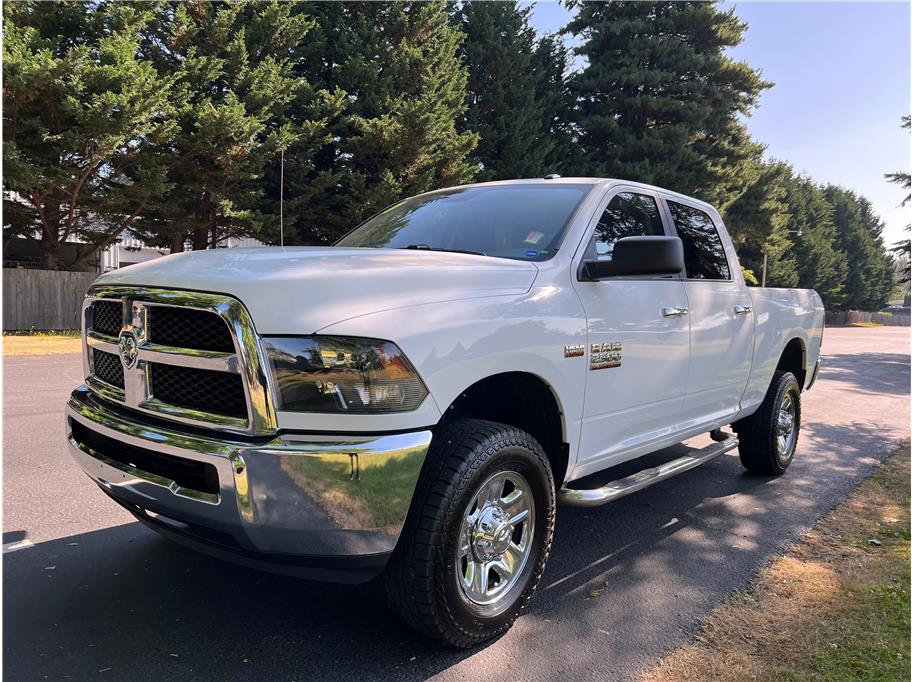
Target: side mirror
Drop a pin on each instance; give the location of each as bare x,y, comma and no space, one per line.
638,256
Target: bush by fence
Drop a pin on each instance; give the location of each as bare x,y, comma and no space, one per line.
856,316
43,299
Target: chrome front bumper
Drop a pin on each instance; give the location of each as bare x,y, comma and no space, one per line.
289,502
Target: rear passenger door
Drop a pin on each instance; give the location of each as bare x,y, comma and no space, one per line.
721,320
637,353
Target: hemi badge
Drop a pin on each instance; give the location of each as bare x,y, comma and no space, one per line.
574,351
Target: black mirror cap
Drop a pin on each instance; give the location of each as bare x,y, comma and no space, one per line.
638,256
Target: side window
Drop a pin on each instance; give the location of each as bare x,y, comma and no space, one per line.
704,255
627,215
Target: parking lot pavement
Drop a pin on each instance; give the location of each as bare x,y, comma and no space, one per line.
97,596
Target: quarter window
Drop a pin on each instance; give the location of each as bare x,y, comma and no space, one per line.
627,215
704,255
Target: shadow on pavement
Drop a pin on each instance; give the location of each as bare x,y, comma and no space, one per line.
125,602
873,373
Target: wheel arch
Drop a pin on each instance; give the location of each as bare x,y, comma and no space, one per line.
523,400
793,358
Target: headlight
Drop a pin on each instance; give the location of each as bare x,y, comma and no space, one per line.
342,374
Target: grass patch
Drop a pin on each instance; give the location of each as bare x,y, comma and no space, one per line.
836,607
42,343
866,324
379,498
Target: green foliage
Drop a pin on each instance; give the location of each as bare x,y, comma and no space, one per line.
85,124
395,86
820,263
516,92
233,69
659,99
869,276
169,119
758,222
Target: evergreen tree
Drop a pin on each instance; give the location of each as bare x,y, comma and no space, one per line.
556,100
232,65
84,118
758,223
869,276
514,90
395,135
659,99
821,265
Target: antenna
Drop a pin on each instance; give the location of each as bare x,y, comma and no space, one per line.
282,201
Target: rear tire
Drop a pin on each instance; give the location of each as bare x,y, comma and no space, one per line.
463,569
768,438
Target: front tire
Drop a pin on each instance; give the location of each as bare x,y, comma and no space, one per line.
478,534
768,438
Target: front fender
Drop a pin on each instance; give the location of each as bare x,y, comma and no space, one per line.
453,345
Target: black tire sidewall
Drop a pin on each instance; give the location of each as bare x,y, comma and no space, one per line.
788,384
471,618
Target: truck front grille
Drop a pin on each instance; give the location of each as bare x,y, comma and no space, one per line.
107,317
177,355
199,389
193,329
108,367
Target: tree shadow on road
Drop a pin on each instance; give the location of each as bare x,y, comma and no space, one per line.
874,373
623,582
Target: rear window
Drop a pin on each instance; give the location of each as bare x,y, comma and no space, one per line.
704,255
523,222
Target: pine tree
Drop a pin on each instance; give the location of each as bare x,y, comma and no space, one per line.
514,90
556,100
821,265
757,221
84,118
659,99
395,135
869,276
233,69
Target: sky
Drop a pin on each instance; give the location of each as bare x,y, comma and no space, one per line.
841,73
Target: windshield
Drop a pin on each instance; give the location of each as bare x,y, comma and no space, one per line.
524,222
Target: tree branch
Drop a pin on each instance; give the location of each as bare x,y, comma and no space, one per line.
109,239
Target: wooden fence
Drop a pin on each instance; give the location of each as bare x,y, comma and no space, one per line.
854,316
43,299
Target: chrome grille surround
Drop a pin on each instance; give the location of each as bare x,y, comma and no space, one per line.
246,360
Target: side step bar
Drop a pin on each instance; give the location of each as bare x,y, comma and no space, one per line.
645,478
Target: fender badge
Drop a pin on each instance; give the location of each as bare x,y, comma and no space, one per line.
575,351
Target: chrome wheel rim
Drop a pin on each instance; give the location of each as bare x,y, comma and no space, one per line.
786,427
495,539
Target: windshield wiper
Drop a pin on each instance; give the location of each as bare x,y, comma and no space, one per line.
426,247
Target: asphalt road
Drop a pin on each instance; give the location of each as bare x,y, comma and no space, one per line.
100,597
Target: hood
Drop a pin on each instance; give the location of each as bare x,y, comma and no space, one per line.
300,290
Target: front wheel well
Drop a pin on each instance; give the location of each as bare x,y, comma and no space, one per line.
793,359
521,400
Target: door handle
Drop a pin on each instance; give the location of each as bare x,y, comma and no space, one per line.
673,311
743,310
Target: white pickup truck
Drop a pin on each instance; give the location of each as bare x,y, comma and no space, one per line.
412,402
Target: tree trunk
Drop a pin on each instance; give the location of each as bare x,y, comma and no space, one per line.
49,251
200,238
201,234
177,243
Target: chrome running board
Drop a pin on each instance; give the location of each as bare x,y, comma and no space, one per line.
645,478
